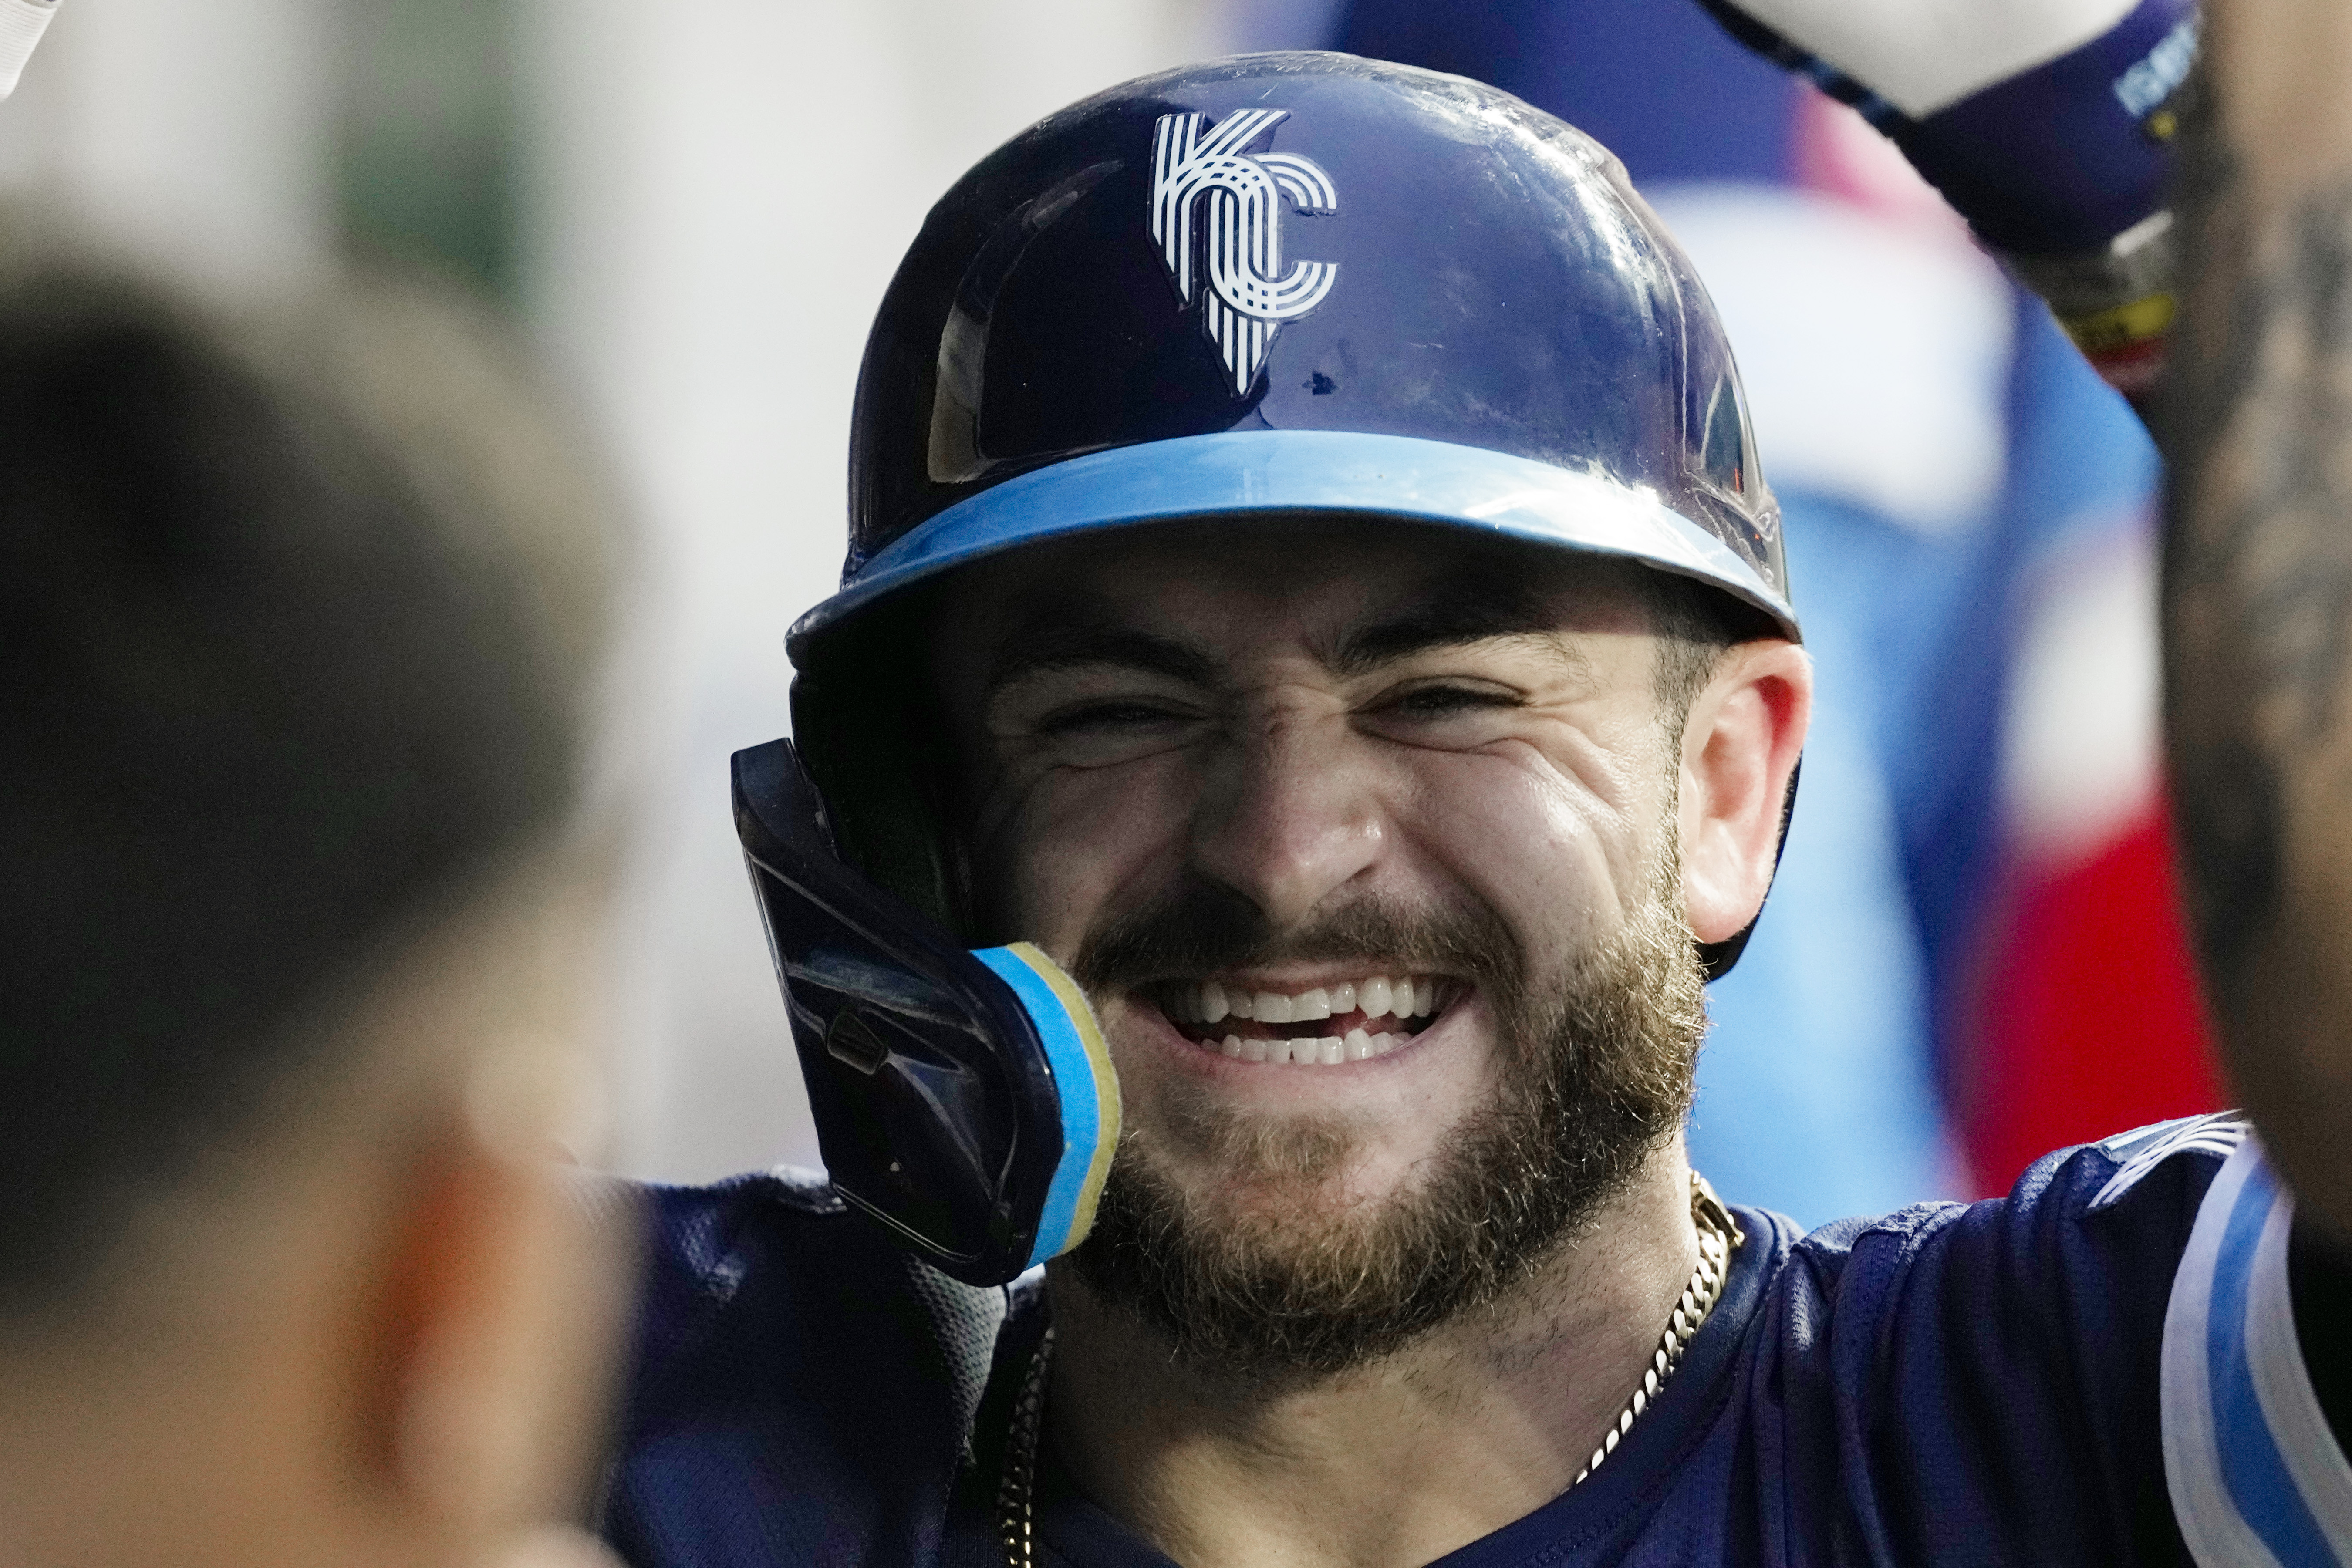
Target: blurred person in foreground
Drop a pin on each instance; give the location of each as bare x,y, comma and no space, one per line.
298,619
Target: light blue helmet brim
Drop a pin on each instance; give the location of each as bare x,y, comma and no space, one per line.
1474,487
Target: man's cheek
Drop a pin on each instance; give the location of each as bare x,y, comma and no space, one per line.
1555,859
1087,844
1128,1028
1175,1120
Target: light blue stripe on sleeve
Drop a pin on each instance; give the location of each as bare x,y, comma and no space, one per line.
2256,1476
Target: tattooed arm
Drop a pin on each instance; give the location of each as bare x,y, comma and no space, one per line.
2257,424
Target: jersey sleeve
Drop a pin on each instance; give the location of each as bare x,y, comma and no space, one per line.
2254,1473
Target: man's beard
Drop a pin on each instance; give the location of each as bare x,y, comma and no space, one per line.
1595,1074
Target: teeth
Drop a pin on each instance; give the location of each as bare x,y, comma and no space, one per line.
1415,998
1211,1002
1329,1050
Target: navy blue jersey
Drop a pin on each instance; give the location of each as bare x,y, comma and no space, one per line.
2102,1367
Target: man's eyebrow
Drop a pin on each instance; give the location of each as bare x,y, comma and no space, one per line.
1038,646
1452,621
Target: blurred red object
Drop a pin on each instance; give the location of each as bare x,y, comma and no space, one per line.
2086,1020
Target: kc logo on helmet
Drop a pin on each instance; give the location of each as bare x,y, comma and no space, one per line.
1196,169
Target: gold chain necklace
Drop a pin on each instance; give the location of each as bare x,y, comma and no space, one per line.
1720,1237
1015,1487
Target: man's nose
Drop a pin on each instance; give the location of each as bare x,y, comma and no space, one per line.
1293,817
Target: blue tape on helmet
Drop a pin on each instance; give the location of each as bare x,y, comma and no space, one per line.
1087,1085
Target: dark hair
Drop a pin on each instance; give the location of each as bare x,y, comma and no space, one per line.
279,670
1696,624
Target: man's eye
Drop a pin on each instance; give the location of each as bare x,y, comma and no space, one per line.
1445,701
1105,718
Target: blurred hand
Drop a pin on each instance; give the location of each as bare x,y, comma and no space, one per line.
555,1546
2049,127
22,23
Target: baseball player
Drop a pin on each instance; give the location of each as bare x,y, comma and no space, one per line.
1314,694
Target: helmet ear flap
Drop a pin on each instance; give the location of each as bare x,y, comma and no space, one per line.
965,1102
882,759
1716,958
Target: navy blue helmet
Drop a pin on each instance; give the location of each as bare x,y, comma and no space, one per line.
1300,282
1285,283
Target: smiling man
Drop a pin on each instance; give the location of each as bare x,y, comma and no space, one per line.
1313,696
1395,807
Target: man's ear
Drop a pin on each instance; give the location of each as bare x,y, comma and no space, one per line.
502,1299
1740,747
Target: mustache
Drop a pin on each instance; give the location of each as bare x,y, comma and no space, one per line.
1202,928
